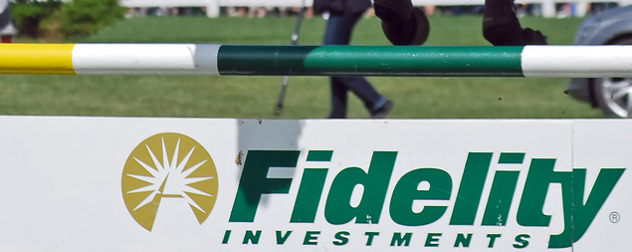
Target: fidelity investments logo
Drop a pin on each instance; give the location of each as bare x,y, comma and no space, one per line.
168,165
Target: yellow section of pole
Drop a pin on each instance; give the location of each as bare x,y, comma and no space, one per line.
36,59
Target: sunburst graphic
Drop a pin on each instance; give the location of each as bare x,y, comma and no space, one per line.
168,165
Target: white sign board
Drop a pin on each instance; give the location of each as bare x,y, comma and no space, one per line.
160,184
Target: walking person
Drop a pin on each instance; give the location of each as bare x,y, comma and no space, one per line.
404,24
7,30
343,16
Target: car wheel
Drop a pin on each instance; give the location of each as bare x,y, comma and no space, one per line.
614,95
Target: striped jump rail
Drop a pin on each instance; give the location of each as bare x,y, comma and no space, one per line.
268,60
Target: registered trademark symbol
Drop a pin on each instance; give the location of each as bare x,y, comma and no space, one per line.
615,217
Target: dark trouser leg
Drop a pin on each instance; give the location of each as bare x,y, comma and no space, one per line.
359,86
338,32
338,98
502,28
401,22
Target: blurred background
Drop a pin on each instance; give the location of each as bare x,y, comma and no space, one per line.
113,21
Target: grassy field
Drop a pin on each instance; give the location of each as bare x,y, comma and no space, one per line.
307,97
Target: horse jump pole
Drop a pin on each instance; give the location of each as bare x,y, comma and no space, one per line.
269,60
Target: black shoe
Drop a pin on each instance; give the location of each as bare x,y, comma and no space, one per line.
383,111
499,12
532,37
502,28
402,23
390,10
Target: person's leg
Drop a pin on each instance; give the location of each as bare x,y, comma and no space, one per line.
338,98
402,23
338,32
502,28
364,90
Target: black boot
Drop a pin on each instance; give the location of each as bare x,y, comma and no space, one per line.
502,28
402,23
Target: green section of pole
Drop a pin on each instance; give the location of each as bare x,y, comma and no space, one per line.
263,60
370,60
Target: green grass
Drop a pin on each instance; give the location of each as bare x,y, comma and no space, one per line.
307,97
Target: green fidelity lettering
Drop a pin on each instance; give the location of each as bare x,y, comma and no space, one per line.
311,238
500,198
311,188
251,237
338,209
584,213
471,189
406,192
541,175
462,240
226,237
398,240
433,240
577,214
492,239
341,238
422,196
255,172
521,241
309,195
370,235
281,238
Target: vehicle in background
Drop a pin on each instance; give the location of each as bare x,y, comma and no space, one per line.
612,95
7,30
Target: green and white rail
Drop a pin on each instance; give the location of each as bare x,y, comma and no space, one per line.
213,59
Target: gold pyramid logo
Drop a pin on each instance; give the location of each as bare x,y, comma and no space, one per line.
168,165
